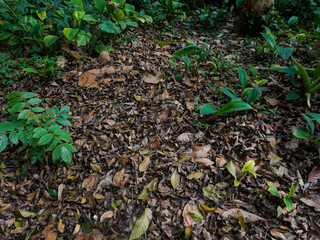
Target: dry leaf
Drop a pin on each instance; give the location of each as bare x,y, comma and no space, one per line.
106,215
61,226
185,137
76,55
89,182
60,190
221,161
109,122
314,176
96,167
76,229
144,164
95,72
165,95
203,162
104,57
195,175
120,79
87,80
127,69
79,143
108,70
118,178
248,217
104,142
175,179
188,221
50,232
201,151
150,79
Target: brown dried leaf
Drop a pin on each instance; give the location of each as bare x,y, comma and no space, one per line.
106,215
104,142
203,162
248,217
127,69
165,95
221,161
188,221
76,55
104,57
87,80
79,143
109,122
201,151
76,229
144,164
96,167
185,137
314,176
118,178
89,182
50,232
108,70
150,79
60,190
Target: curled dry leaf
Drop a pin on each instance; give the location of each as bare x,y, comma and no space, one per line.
106,215
88,80
96,167
188,221
76,229
221,161
104,142
127,69
79,143
118,178
185,137
248,217
109,122
165,95
150,79
108,70
314,176
144,164
60,190
104,57
201,151
89,182
203,162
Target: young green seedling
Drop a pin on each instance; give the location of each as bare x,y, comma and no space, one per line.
247,167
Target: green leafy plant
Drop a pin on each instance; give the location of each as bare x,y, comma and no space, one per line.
247,167
308,134
286,200
46,71
38,129
274,48
251,93
192,54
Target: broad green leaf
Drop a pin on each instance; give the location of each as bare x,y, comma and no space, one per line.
52,145
292,96
66,138
284,52
30,70
187,62
302,132
207,109
269,39
70,33
39,132
45,139
42,15
54,128
249,165
56,154
63,121
292,191
227,91
288,203
37,109
236,183
253,173
273,189
34,101
203,56
61,132
254,94
27,214
78,15
109,27
116,204
303,73
3,142
5,35
65,115
12,95
83,38
232,169
78,5
243,77
175,179
316,116
188,51
89,18
130,22
233,106
13,137
49,40
27,95
196,215
119,15
310,122
23,136
14,101
142,224
293,20
66,155
100,5
64,109
18,107
69,147
86,226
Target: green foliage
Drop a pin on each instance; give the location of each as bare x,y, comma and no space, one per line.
43,24
286,200
46,71
247,167
38,129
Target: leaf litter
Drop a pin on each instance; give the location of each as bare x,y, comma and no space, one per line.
143,165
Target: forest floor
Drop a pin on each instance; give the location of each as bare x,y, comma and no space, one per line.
139,135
